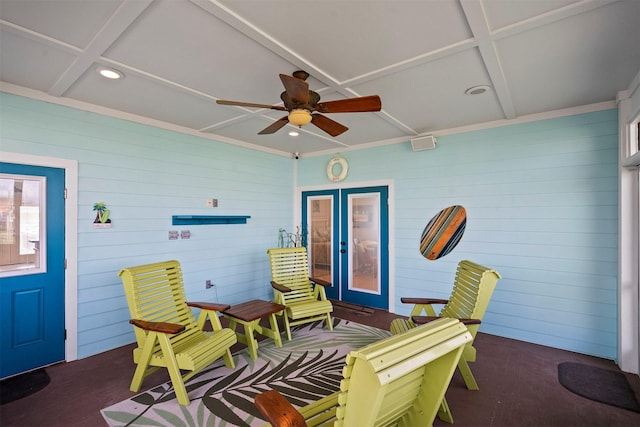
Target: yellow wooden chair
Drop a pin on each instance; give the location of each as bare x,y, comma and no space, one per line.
398,381
472,289
305,298
166,330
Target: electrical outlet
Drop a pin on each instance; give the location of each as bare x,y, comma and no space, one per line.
208,284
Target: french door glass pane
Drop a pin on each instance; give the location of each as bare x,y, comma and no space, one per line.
364,218
320,235
21,224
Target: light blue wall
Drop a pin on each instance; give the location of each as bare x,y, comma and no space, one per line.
145,175
541,200
542,203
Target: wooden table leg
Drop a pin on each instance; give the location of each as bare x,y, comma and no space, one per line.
274,332
249,336
251,327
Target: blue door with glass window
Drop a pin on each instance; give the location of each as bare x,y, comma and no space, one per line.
347,236
32,287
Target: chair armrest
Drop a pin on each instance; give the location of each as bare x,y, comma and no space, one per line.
410,300
277,410
320,282
470,321
279,287
421,320
209,306
163,327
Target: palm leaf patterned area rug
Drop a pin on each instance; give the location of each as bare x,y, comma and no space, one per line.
304,369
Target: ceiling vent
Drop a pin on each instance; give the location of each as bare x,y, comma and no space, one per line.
423,143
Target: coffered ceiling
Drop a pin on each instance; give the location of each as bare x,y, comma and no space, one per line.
179,56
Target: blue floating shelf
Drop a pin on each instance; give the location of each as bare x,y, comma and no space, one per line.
208,219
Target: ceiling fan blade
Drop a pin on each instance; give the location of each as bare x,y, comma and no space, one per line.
298,90
331,127
250,104
353,105
275,126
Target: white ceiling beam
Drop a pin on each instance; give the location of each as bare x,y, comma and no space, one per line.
38,37
550,17
479,26
225,14
123,17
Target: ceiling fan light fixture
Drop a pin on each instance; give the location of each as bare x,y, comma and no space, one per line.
110,73
299,117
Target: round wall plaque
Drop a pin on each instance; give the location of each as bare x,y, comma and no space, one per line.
337,169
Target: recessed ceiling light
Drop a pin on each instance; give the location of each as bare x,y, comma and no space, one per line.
477,90
293,133
110,73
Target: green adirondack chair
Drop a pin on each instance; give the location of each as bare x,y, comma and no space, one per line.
472,290
397,381
305,298
166,329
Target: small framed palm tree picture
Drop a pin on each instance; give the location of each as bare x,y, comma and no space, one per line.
102,219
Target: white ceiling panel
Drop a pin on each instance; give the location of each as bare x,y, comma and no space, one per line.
180,56
501,13
432,96
147,98
349,38
30,63
213,52
71,21
571,62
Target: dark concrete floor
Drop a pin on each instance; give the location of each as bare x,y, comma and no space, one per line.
518,387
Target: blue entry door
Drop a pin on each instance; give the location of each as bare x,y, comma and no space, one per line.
347,236
32,259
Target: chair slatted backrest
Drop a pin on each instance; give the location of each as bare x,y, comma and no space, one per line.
290,268
403,377
472,290
155,293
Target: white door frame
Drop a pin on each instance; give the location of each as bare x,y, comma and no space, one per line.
629,231
389,183
70,239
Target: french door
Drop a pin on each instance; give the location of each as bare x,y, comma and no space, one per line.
347,235
32,256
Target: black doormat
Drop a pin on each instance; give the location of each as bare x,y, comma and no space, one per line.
601,385
23,385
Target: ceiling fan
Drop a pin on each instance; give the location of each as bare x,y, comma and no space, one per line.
304,106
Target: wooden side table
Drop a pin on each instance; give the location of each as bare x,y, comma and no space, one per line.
249,314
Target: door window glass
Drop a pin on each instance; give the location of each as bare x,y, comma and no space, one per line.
22,225
364,214
319,237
